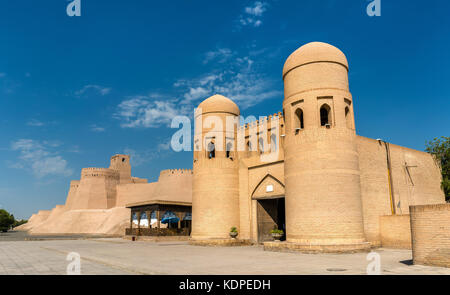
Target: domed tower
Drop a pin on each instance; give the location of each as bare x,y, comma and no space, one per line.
323,194
215,190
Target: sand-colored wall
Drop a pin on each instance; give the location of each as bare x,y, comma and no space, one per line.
97,189
430,231
420,186
395,231
52,219
134,192
92,221
121,164
37,219
174,185
71,195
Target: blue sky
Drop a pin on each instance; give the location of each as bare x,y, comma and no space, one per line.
76,90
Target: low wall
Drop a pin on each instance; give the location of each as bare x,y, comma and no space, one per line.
430,231
395,231
157,231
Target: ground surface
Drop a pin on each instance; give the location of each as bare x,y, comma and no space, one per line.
117,256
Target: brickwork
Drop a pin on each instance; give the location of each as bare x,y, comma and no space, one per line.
395,231
430,232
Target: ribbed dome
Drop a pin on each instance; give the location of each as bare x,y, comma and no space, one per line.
219,104
314,52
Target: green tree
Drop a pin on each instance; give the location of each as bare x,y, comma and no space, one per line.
440,149
19,222
6,220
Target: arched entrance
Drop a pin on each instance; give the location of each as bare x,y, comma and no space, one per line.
270,207
270,215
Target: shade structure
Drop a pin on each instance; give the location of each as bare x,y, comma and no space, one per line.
169,217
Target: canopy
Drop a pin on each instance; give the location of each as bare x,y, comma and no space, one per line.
169,217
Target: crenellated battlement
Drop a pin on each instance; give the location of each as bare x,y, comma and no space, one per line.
170,172
264,122
99,172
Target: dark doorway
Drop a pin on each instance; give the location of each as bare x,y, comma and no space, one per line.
270,215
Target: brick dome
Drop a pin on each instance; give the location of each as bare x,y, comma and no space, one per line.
219,104
314,52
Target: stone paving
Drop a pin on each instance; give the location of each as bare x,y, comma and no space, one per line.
118,256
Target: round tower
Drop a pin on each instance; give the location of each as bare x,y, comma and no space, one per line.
215,191
323,194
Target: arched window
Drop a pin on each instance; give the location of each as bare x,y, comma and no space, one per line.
299,123
325,115
348,117
211,150
261,145
249,148
229,149
273,143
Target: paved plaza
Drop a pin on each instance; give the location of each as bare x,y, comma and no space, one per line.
112,256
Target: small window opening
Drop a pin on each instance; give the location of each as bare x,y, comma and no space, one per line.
299,120
325,115
348,118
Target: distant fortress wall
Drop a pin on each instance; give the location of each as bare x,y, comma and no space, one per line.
71,195
96,204
97,189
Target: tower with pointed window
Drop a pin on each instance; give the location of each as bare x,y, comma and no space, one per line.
215,191
323,194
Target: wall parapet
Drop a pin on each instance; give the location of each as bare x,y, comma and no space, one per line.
430,208
170,172
259,123
99,172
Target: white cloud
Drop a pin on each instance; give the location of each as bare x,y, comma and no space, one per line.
253,14
220,55
145,111
138,158
196,93
35,123
164,146
96,128
37,157
239,80
97,88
